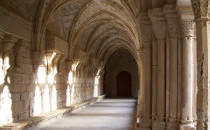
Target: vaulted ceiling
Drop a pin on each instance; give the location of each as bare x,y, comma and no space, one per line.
98,27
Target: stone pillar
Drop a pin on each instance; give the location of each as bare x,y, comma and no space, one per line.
173,29
145,71
20,47
159,28
203,78
154,79
187,25
8,44
201,13
145,91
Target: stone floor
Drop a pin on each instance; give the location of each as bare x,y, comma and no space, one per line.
109,114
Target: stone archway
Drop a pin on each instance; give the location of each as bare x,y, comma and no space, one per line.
124,84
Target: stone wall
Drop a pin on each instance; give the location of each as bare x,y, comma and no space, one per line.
29,89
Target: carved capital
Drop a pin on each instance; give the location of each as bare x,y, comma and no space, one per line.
187,26
200,8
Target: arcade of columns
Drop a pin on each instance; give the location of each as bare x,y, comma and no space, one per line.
174,82
172,58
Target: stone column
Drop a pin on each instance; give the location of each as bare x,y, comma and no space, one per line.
201,13
159,28
8,44
173,29
145,70
20,47
154,79
145,91
203,72
187,25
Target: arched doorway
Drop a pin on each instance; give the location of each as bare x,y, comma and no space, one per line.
124,84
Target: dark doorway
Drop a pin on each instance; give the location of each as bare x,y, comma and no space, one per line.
124,84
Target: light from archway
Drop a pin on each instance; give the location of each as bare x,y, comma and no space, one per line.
50,78
46,99
54,98
70,78
37,102
96,86
5,106
5,95
72,94
41,75
68,96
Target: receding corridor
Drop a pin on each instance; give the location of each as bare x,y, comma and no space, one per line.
149,59
109,114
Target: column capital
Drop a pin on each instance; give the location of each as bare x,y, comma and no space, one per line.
8,43
158,21
200,8
201,22
145,28
171,20
187,25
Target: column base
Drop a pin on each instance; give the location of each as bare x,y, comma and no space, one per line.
158,125
190,126
145,124
172,124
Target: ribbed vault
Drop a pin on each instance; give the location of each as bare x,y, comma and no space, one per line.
96,27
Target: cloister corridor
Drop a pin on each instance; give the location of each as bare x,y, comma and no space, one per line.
105,64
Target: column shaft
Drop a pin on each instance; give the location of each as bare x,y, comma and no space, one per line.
203,80
161,80
173,78
187,74
145,91
187,78
154,79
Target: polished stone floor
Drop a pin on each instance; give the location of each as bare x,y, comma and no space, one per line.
109,114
